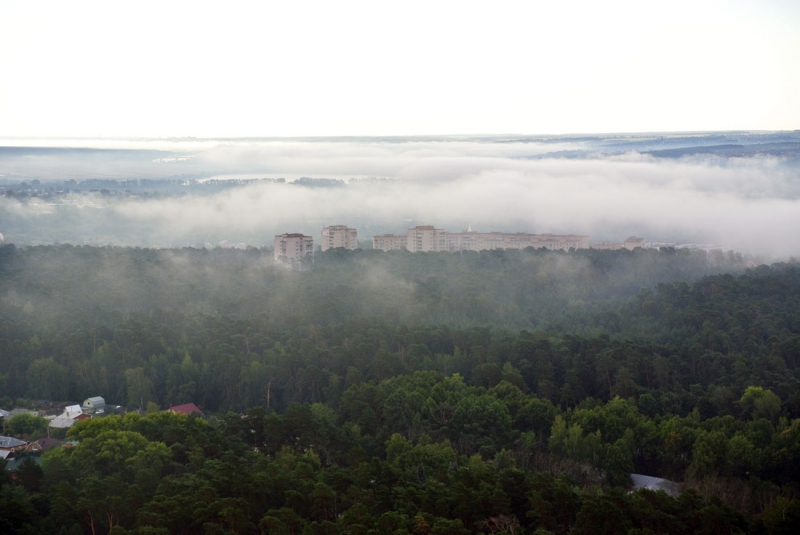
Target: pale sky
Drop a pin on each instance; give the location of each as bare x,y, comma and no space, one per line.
303,68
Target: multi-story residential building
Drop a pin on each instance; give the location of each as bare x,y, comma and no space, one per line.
291,248
426,238
633,242
339,236
389,242
483,241
607,245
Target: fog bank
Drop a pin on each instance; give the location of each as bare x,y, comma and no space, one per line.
751,203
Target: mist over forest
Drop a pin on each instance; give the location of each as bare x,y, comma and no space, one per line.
400,268
368,392
738,190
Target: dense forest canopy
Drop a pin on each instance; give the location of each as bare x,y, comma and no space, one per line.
56,285
391,393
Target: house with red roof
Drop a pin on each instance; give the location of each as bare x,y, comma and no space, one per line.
186,409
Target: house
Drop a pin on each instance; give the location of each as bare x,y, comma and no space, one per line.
4,414
18,411
12,444
62,422
186,409
33,447
655,483
47,443
71,414
94,405
14,464
71,411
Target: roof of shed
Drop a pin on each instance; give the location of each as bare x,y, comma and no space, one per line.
641,481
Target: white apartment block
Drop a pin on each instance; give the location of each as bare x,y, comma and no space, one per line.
631,243
607,246
485,241
389,242
339,236
291,248
426,238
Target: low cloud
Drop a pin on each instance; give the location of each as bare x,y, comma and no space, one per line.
750,204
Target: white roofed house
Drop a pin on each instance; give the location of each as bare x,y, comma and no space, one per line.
67,418
95,405
62,422
72,411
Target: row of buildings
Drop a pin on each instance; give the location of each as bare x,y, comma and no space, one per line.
427,238
65,415
290,249
293,247
13,450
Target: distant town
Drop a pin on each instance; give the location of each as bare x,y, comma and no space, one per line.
291,248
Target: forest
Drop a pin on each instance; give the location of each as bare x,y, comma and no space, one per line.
501,392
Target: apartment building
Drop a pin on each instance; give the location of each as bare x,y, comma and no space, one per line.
339,236
485,241
426,238
289,249
607,246
389,242
631,243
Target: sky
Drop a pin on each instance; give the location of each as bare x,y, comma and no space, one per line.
362,68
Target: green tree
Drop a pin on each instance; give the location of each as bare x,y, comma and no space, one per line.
48,380
28,424
761,403
140,388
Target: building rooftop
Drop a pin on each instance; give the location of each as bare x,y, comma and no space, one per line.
47,443
187,409
11,442
62,422
13,464
19,411
72,411
292,235
655,483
